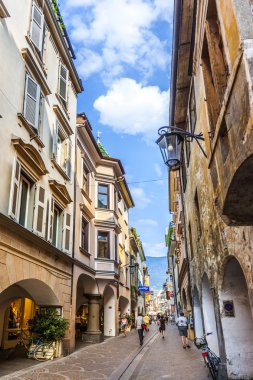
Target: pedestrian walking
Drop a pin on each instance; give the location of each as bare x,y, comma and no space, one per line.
162,323
182,324
147,321
124,324
172,319
138,325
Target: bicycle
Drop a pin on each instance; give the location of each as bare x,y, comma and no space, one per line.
211,360
36,349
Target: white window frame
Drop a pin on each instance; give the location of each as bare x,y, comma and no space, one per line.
23,179
64,80
39,46
37,101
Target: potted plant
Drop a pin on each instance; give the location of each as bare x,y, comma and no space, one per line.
50,327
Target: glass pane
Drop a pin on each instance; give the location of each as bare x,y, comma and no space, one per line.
55,225
102,201
23,203
103,189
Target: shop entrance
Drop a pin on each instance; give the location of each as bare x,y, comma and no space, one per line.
237,322
19,303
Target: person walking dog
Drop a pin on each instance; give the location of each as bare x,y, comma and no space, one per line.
138,325
182,324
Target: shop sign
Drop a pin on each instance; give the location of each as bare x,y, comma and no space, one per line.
228,307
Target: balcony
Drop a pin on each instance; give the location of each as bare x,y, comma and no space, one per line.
106,267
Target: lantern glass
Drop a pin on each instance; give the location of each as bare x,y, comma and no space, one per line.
170,145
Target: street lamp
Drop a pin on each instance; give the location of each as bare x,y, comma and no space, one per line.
171,141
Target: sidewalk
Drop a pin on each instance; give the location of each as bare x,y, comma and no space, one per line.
98,361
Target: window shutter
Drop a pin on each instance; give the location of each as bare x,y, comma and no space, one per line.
50,220
37,26
40,211
13,207
32,101
67,233
63,82
55,138
68,158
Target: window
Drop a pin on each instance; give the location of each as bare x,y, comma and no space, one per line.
27,200
33,102
37,27
119,203
196,201
63,83
116,248
62,149
192,109
103,245
59,226
85,179
214,65
191,244
85,235
103,196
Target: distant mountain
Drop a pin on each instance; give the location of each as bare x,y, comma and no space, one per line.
157,267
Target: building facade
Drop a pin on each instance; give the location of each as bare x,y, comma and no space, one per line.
39,86
211,93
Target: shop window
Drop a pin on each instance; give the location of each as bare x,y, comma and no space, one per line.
16,320
103,241
85,235
103,196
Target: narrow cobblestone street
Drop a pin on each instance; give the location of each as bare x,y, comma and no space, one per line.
123,358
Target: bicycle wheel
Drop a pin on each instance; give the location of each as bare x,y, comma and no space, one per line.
44,351
210,366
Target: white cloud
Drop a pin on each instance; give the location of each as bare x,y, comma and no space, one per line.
155,250
122,31
147,222
88,62
141,200
128,107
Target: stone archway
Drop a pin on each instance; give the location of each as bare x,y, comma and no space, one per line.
184,300
209,314
238,327
28,293
88,316
109,312
124,306
198,320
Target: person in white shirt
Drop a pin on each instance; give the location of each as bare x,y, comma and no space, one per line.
138,325
182,324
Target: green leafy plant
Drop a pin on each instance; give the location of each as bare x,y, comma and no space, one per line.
49,326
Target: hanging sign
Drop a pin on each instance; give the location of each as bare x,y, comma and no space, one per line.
143,288
228,307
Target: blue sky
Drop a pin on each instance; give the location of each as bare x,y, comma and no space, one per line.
123,50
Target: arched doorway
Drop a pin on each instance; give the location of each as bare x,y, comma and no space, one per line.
86,287
109,312
19,303
237,322
124,308
184,300
209,315
198,321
